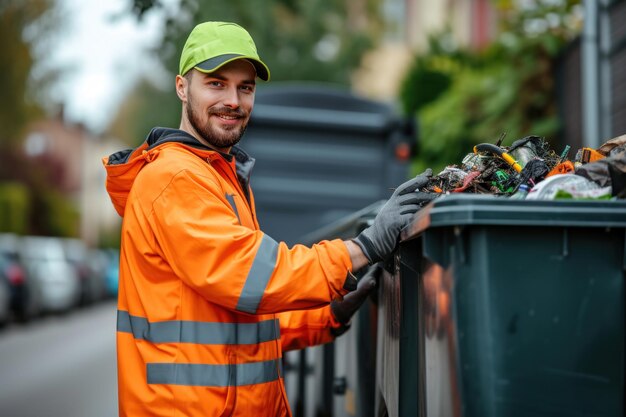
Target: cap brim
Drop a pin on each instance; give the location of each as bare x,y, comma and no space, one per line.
212,64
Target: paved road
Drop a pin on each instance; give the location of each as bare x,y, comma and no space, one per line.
60,365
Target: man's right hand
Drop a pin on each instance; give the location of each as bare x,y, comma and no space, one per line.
379,240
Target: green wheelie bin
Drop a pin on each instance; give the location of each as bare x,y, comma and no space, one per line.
510,308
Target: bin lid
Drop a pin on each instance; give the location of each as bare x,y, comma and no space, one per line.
323,107
473,209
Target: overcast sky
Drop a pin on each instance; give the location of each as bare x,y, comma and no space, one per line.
103,49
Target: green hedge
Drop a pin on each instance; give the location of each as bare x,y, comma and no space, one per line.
463,97
14,207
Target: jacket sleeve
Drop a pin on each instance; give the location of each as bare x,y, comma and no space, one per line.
304,328
200,238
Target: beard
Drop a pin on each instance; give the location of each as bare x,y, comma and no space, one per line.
219,138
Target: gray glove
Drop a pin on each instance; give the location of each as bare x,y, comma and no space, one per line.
379,240
344,309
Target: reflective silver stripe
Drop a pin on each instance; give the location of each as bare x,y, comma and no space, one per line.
193,374
206,333
259,275
231,200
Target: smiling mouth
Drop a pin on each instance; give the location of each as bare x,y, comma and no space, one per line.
228,116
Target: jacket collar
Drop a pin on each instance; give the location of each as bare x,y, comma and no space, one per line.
161,135
123,166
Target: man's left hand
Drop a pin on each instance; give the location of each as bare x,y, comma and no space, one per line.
343,310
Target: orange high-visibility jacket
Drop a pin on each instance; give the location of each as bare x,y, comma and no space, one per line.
207,301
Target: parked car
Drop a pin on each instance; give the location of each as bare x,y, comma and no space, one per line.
5,295
12,289
44,259
24,293
80,257
98,263
111,276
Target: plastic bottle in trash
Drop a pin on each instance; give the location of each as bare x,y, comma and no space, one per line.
521,193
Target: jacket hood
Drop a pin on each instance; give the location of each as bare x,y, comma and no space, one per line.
123,166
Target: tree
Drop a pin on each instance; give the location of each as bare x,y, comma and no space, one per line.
507,88
29,199
299,39
18,106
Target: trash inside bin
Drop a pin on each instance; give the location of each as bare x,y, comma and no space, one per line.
520,307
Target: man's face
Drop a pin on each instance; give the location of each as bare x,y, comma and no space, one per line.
218,104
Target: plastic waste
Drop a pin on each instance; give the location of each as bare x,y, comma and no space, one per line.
610,171
562,168
613,146
548,188
454,176
472,161
567,193
501,181
534,171
522,192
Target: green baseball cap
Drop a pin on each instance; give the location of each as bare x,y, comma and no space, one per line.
213,44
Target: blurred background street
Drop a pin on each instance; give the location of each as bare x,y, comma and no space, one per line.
62,365
363,94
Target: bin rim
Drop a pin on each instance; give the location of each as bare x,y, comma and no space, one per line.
468,210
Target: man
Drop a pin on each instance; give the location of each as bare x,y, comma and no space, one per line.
208,302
